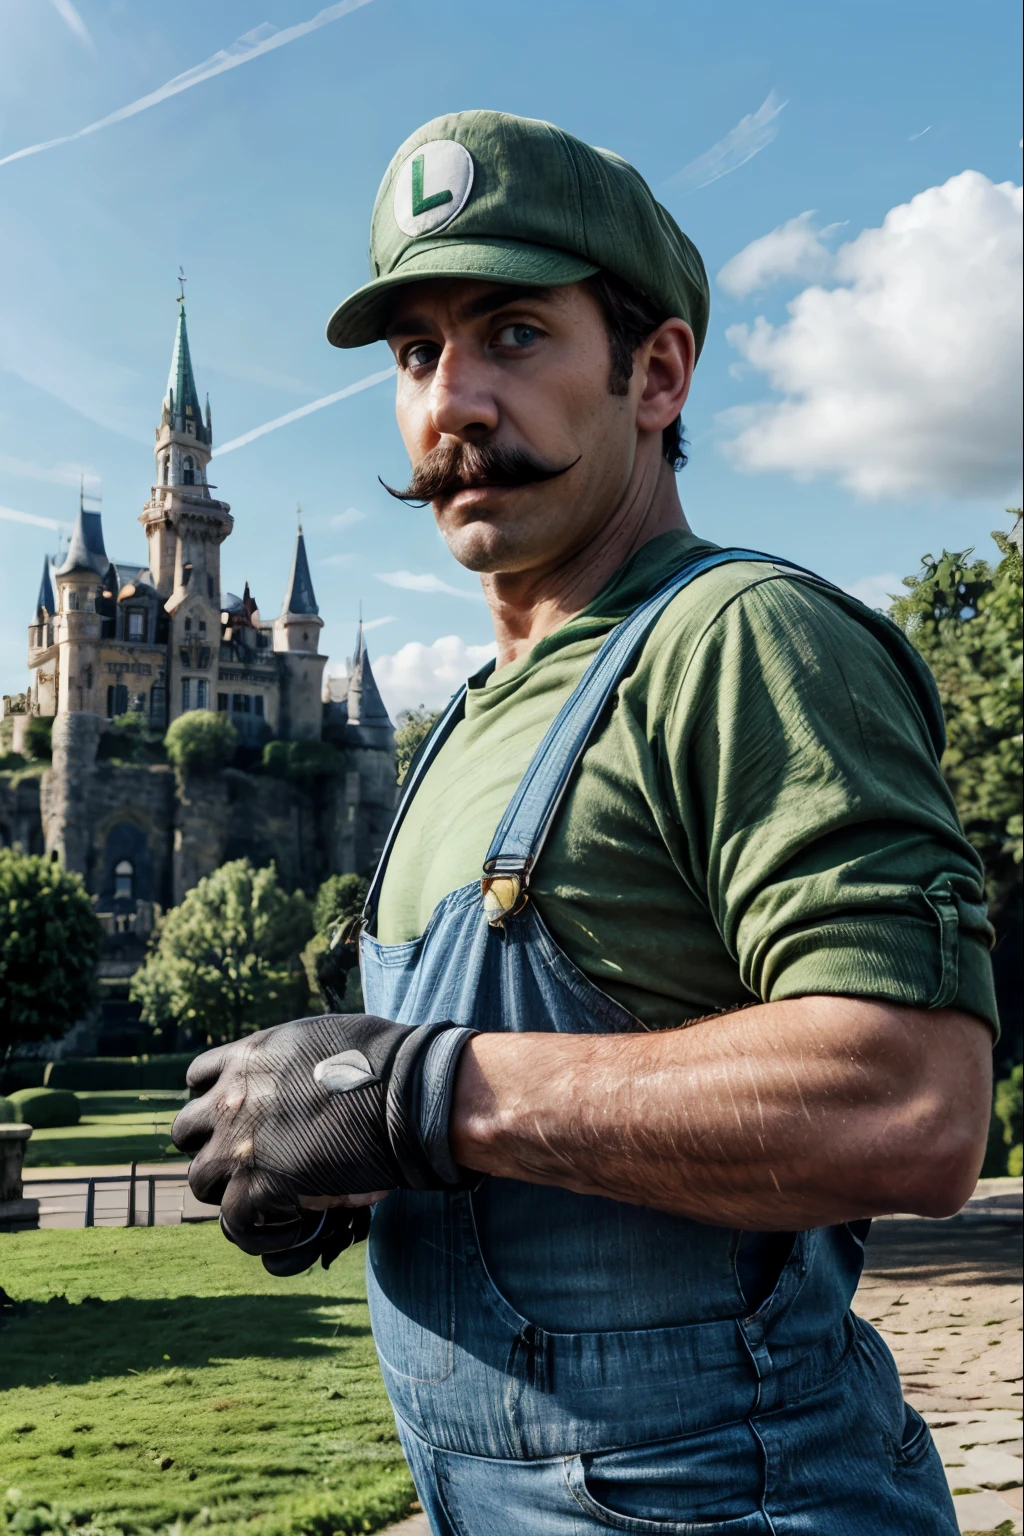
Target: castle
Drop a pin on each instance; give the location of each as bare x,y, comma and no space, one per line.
110,637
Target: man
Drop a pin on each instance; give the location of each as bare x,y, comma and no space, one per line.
610,1284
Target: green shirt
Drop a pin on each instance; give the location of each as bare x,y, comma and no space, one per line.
763,816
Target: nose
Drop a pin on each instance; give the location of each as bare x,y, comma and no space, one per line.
462,403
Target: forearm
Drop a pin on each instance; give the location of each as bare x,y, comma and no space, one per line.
783,1116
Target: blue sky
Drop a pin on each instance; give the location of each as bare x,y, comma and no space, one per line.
851,432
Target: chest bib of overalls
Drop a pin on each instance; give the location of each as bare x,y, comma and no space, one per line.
519,1323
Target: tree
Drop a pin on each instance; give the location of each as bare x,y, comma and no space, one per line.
301,762
200,741
226,961
414,725
49,941
965,619
329,961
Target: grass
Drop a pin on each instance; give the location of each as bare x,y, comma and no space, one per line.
119,1127
159,1377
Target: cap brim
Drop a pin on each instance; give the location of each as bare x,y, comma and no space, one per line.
363,316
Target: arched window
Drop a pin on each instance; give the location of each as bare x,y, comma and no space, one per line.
72,600
188,471
166,467
124,880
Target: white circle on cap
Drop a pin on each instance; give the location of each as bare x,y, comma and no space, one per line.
432,187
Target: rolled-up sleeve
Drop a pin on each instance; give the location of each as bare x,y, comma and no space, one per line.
804,749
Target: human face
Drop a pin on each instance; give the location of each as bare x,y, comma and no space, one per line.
526,370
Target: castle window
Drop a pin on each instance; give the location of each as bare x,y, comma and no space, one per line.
188,625
222,701
136,625
117,700
166,471
124,881
209,587
241,703
188,471
186,695
257,704
202,693
72,601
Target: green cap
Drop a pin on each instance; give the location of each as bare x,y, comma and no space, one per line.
513,200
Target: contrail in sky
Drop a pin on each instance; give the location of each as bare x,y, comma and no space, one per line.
750,135
251,45
304,410
10,515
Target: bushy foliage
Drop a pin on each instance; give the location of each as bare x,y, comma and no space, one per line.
301,761
965,619
49,941
1009,1108
128,739
7,1114
331,967
38,738
339,897
226,961
411,730
45,1108
200,741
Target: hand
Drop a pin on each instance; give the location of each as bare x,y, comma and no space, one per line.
325,1107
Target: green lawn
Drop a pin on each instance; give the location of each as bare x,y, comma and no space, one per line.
159,1377
119,1127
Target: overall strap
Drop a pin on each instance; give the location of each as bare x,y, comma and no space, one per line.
432,745
523,828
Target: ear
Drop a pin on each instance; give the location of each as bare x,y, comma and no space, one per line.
663,366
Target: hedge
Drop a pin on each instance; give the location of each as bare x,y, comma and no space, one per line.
43,1108
8,1114
107,1074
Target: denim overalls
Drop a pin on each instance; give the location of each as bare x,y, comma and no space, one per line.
562,1363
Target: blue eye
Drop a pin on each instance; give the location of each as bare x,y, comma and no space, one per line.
518,335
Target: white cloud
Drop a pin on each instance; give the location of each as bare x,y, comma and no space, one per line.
303,410
793,249
877,591
348,518
336,560
427,674
368,624
251,45
413,581
906,378
750,135
72,19
11,515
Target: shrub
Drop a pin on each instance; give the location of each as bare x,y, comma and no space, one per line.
49,940
8,1114
226,961
412,728
9,761
44,1108
200,741
339,897
38,735
301,761
108,1074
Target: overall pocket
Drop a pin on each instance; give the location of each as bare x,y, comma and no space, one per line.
706,1484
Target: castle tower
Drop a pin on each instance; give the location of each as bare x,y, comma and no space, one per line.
365,706
81,597
185,526
296,638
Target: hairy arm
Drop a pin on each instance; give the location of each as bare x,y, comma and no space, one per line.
787,1115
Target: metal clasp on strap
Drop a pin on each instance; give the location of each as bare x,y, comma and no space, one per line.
503,888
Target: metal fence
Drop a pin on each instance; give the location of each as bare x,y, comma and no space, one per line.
131,1199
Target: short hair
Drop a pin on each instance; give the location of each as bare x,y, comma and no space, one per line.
629,319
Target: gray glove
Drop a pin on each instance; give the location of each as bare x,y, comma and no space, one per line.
340,1104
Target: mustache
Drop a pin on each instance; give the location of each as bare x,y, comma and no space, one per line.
453,467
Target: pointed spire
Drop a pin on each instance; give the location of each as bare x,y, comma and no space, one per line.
299,596
181,398
46,599
365,705
86,550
